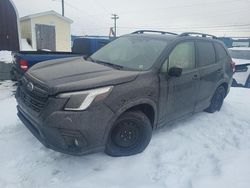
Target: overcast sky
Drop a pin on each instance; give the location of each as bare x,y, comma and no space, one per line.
93,17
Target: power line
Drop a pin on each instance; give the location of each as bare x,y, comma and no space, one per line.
191,26
83,11
182,6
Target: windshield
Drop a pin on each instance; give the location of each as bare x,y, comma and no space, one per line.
240,54
131,52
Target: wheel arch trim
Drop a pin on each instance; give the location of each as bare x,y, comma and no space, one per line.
124,108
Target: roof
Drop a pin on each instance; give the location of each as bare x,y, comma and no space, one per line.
51,12
172,36
154,36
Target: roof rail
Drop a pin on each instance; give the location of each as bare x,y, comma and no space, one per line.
201,34
153,31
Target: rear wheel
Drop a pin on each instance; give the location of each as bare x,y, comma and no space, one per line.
12,75
130,134
217,100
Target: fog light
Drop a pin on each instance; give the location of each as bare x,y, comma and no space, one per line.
76,142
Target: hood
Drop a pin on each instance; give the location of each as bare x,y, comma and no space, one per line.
73,74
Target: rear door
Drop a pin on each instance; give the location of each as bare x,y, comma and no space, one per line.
210,72
178,94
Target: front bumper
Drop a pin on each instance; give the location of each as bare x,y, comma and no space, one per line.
74,133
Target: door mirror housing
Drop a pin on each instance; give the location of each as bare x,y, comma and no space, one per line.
175,72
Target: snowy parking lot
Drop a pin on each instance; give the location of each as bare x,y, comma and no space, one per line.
203,151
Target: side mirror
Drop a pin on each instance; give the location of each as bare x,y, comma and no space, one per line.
175,72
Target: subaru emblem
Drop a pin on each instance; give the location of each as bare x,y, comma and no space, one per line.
30,86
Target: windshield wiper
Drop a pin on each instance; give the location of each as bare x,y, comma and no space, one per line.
91,59
111,65
105,63
119,67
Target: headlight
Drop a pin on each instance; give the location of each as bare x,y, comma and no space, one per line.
81,100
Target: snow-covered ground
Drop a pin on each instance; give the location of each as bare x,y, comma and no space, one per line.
5,56
203,151
241,77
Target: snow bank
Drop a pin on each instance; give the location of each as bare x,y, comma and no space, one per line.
5,56
26,46
203,151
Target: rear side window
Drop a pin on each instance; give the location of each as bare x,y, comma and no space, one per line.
221,52
206,53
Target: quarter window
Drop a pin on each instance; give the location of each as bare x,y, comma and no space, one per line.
221,52
206,53
183,56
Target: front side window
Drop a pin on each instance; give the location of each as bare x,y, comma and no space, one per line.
133,52
206,53
183,56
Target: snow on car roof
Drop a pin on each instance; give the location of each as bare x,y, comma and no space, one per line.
240,48
240,61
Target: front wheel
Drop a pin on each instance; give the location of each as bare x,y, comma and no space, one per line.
130,134
217,100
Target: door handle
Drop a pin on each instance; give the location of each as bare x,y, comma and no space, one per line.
219,70
195,77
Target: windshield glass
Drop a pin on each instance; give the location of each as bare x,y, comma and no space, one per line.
240,54
133,52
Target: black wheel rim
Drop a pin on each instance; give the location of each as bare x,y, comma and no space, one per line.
126,134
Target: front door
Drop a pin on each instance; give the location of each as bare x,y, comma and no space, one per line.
178,94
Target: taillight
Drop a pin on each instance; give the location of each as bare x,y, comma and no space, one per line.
24,65
233,65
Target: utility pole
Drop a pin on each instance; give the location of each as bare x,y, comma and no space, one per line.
62,7
115,17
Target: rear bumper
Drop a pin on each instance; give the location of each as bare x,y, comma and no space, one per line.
74,133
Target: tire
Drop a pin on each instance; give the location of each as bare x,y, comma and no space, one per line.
234,83
130,135
12,75
217,100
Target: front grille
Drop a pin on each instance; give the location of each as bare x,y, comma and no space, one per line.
35,99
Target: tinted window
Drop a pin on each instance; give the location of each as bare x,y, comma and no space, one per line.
206,54
183,56
221,52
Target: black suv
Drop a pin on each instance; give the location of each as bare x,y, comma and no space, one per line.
112,100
